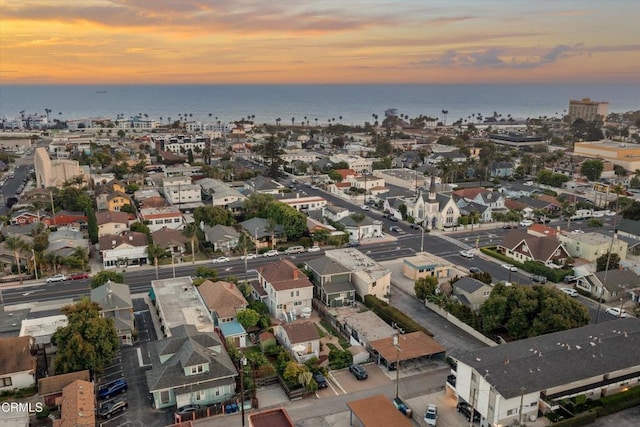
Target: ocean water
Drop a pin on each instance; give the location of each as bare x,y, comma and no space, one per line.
354,103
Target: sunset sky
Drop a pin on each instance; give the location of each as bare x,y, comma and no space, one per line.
328,41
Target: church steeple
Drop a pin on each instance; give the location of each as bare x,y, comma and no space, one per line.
432,188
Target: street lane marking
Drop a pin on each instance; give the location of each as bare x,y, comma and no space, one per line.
337,383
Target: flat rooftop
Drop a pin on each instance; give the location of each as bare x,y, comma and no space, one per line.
42,328
357,262
589,238
180,304
368,325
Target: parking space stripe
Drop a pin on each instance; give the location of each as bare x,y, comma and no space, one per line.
337,383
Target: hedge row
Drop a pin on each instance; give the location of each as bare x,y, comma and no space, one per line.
392,315
534,267
583,419
619,401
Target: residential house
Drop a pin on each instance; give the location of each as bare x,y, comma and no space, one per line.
262,233
629,228
128,248
77,406
300,338
115,302
65,242
185,196
523,378
224,238
41,329
164,217
304,203
363,328
332,282
366,182
501,169
366,228
78,219
335,213
112,201
289,291
436,158
50,388
110,222
264,185
424,265
367,276
522,246
540,203
220,193
23,217
17,364
190,367
178,302
591,246
174,241
514,190
471,292
224,300
361,165
611,285
8,256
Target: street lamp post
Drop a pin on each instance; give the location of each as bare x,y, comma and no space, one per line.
173,265
396,344
422,238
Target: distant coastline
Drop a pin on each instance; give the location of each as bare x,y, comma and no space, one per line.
354,103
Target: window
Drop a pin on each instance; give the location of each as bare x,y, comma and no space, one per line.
167,221
292,293
5,382
200,395
297,293
164,396
511,412
297,303
176,220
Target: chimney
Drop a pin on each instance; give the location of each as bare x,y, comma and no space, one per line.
295,274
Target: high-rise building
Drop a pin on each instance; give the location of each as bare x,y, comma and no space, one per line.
587,109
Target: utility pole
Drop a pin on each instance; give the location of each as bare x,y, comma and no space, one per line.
522,389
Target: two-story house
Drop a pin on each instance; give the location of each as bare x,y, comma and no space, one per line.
110,222
612,285
289,291
113,201
261,184
332,282
190,368
115,302
128,248
591,246
300,338
223,237
367,276
224,300
157,218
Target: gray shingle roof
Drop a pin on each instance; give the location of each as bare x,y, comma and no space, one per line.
326,266
112,296
189,347
468,284
559,358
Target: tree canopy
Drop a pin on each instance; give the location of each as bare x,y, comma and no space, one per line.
213,215
592,169
614,262
104,276
529,311
425,286
89,341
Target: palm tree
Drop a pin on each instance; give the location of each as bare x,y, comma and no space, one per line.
271,228
16,245
154,252
191,231
293,120
82,255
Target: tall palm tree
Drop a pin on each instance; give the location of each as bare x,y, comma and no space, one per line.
191,231
154,252
16,245
82,255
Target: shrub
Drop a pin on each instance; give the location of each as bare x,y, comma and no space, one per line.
339,359
577,421
392,315
619,401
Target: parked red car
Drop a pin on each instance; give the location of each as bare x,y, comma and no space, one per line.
78,276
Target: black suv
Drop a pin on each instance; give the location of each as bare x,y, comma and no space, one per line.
359,372
320,379
465,409
109,409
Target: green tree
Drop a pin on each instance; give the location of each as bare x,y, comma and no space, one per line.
16,246
335,176
92,225
212,215
128,209
89,341
191,231
132,188
140,227
592,169
484,277
613,262
271,152
256,205
105,276
248,318
425,286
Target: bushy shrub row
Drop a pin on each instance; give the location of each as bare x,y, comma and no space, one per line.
583,419
392,315
534,267
619,401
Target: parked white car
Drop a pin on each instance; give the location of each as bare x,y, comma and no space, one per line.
526,223
467,254
220,259
616,312
271,253
313,249
570,291
249,256
56,278
509,267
